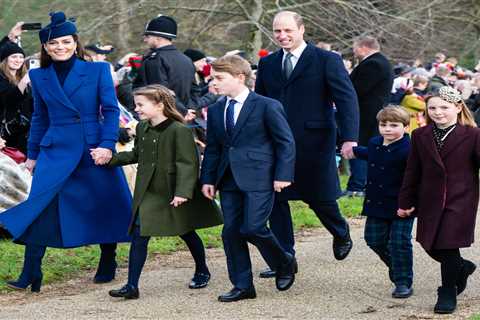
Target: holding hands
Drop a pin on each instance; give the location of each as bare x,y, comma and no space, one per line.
101,156
347,149
405,213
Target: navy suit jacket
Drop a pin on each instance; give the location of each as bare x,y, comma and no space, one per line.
318,81
260,150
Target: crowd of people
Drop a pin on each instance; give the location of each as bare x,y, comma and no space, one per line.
185,126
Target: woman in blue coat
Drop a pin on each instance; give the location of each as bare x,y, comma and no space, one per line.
72,201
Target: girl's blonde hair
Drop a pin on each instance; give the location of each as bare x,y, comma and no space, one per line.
18,74
160,94
465,117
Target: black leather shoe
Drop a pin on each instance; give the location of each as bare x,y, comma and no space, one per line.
468,268
199,280
267,273
447,300
127,292
402,292
342,247
238,294
286,275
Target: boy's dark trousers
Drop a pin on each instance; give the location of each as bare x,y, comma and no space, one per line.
245,217
391,240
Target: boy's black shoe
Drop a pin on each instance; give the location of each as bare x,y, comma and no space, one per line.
127,292
402,292
447,300
468,268
342,246
285,275
238,294
269,273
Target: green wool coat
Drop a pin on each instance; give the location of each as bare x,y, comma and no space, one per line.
167,167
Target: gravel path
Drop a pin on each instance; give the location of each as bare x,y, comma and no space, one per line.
357,288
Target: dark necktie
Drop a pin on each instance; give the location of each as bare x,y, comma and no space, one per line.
230,117
287,65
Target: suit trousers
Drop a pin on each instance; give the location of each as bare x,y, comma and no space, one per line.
245,217
327,212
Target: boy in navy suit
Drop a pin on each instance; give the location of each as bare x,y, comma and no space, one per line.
388,235
250,154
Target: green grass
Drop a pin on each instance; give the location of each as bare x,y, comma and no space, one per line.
475,317
62,264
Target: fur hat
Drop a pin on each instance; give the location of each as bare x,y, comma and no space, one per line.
162,26
58,27
194,55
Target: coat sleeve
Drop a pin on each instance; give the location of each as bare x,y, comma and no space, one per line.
186,163
283,140
361,152
259,82
127,157
109,109
39,123
212,154
344,97
411,179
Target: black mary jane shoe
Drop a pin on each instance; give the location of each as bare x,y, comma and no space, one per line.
199,280
468,268
238,294
127,292
447,300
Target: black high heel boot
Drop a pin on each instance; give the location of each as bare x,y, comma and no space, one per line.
31,275
107,266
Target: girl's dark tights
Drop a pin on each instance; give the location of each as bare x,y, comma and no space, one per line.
451,263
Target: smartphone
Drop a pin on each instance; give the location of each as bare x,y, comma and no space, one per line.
33,63
32,26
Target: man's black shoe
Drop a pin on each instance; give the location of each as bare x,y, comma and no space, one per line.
342,247
269,273
238,294
127,292
285,276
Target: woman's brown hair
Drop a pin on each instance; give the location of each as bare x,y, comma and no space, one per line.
465,117
46,60
160,94
18,74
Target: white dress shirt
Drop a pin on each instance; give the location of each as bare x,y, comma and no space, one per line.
238,106
295,54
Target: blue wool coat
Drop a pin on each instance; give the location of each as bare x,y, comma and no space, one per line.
386,167
318,81
81,202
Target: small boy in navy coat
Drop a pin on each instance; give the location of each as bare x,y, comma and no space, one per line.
385,233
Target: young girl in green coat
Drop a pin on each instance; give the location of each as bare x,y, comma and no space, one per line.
167,200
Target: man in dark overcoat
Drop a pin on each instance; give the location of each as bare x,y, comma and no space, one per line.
308,81
372,79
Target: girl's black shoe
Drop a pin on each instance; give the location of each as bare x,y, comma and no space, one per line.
127,292
199,280
447,300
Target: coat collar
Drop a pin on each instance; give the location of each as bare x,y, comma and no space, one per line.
74,80
303,62
453,141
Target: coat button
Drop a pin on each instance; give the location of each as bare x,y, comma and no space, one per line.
369,182
382,168
380,202
372,165
378,148
368,201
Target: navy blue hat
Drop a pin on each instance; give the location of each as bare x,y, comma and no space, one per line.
58,27
8,49
99,49
162,26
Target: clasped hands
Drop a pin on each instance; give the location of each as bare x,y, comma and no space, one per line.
347,149
101,156
209,190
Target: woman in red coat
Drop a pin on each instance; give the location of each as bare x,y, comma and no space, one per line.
440,187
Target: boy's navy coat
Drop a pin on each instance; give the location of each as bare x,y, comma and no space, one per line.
318,80
260,150
386,166
94,201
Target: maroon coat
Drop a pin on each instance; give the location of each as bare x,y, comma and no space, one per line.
443,187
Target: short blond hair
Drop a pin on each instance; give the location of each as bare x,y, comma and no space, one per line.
394,113
234,65
366,41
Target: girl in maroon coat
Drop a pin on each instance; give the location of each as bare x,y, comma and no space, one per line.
440,187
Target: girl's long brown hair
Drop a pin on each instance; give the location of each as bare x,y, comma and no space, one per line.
46,60
465,117
160,94
18,74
